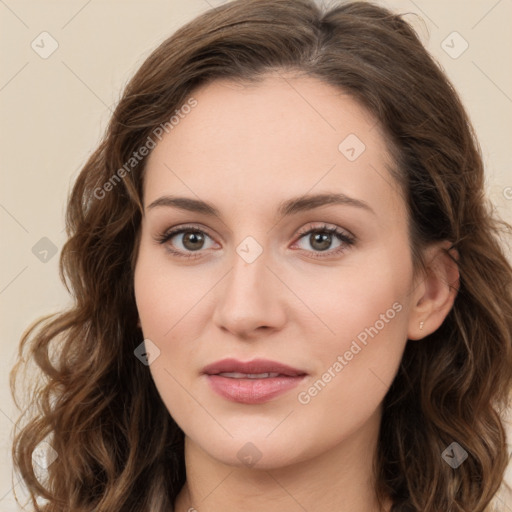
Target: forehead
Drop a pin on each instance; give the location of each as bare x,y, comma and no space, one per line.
256,144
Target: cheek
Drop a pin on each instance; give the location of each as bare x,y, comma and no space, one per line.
165,298
173,304
166,295
364,320
355,367
348,300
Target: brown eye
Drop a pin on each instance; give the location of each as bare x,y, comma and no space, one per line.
193,240
185,241
320,241
321,238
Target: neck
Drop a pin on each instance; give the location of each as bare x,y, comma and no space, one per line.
340,478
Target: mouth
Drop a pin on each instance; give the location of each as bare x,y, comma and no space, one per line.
251,382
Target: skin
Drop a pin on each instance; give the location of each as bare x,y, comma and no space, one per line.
245,149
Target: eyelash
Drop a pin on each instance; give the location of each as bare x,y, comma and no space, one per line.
342,236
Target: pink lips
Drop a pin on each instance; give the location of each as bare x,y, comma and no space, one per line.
251,382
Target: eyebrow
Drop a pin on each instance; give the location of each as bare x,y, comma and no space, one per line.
286,208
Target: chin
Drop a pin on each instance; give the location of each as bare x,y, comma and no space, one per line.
258,451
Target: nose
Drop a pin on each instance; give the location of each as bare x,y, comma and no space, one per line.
251,299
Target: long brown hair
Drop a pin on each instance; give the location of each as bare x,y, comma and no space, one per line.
96,404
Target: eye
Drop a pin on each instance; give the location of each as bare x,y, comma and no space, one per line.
193,240
321,238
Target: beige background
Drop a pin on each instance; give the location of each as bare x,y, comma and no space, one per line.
53,110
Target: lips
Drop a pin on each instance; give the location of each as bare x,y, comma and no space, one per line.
254,367
251,382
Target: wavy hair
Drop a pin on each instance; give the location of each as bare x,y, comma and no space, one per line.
97,406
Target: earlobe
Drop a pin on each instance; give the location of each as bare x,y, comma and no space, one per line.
437,291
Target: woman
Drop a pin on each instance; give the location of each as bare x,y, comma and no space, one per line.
289,288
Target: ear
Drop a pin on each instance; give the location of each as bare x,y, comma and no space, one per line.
435,293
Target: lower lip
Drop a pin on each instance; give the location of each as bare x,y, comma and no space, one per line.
252,391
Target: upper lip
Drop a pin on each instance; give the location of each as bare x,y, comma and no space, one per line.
251,367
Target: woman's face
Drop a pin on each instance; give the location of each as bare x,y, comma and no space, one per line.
248,282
